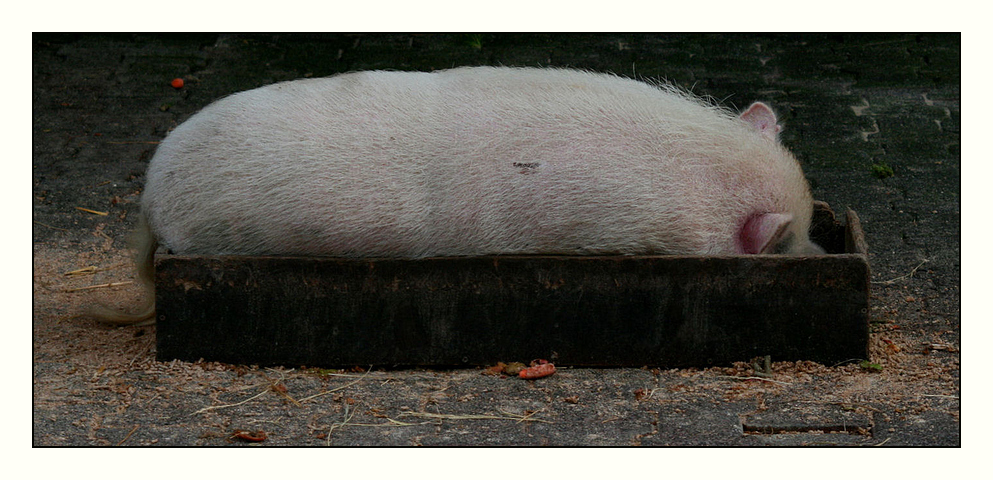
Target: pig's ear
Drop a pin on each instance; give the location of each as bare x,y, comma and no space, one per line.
763,119
762,233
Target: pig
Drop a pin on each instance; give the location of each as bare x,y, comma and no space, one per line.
475,161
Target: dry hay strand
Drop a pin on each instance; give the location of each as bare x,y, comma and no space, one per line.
526,417
102,285
273,385
338,388
95,212
270,387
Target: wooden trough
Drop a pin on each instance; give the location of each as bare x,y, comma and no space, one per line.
666,311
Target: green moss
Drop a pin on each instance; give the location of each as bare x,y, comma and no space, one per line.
872,367
882,170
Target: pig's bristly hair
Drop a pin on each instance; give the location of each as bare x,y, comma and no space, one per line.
467,161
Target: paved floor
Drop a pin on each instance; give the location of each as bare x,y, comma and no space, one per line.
874,119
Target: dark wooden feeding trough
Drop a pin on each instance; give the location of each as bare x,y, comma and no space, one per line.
668,311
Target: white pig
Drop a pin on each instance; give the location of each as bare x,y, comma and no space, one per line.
474,161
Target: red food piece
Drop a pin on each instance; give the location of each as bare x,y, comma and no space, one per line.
537,371
177,83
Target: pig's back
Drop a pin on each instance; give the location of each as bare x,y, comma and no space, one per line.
462,162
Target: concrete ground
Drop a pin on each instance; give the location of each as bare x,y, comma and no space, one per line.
873,119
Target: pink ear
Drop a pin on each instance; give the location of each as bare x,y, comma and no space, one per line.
763,119
762,232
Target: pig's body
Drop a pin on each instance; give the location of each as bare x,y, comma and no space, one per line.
475,161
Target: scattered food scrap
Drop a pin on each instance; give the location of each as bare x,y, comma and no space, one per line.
538,369
495,369
514,368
